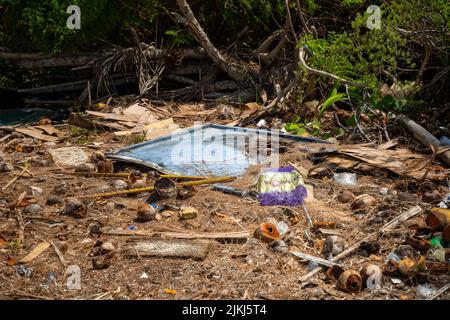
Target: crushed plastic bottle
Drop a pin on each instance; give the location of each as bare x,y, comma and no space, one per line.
425,290
345,179
282,227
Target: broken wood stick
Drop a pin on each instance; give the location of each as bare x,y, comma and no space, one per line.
14,179
425,137
59,253
146,189
320,261
439,292
388,226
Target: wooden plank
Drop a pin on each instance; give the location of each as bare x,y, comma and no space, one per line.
50,130
110,116
37,134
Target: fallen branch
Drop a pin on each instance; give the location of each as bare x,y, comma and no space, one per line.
232,69
302,55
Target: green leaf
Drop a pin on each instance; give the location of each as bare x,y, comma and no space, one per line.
332,100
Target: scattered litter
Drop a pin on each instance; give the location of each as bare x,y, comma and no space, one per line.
445,203
144,276
132,228
145,212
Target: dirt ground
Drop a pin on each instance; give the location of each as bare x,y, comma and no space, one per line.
247,269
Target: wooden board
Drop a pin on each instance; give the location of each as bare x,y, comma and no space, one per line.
36,134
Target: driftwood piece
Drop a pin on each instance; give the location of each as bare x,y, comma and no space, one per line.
388,226
173,248
425,137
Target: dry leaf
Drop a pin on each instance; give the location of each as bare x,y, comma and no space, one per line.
3,242
35,252
11,261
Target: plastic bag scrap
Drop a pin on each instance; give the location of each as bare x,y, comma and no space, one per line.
281,186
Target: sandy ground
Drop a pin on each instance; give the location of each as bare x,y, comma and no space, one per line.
246,269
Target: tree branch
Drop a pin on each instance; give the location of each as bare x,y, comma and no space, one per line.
233,70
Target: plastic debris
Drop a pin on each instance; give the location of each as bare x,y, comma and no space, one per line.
425,290
267,232
350,281
445,141
345,179
24,271
282,186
